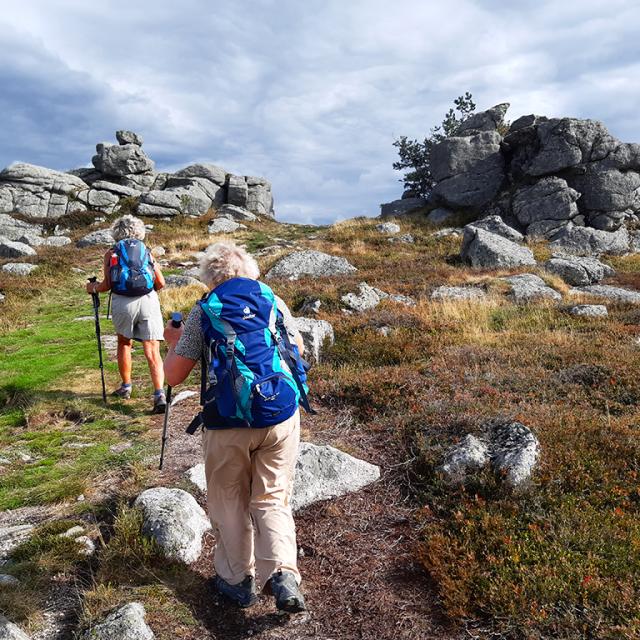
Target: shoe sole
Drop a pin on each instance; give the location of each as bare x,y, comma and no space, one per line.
159,410
237,603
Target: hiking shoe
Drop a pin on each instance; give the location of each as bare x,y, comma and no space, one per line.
243,594
122,392
159,403
286,592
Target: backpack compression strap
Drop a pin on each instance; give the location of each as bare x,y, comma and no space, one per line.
284,349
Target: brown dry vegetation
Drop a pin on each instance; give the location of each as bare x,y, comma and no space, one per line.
408,557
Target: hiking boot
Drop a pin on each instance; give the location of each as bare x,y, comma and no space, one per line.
243,594
122,392
286,591
159,403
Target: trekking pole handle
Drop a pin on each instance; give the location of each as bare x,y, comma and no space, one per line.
176,319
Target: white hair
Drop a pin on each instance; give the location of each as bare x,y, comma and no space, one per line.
128,227
225,260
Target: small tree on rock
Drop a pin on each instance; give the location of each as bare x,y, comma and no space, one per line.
416,155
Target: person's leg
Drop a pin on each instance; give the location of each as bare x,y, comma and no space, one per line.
228,474
124,359
154,359
273,467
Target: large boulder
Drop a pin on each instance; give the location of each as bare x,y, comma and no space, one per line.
189,199
401,207
323,472
121,160
465,458
128,137
546,206
608,194
587,241
11,249
236,213
224,225
310,264
316,334
209,172
251,193
441,216
19,268
39,192
547,146
126,623
14,229
485,250
469,170
175,521
369,297
579,270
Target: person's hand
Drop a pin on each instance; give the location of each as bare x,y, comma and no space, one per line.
92,287
172,334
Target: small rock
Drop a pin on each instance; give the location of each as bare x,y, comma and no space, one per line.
195,475
310,263
458,293
19,268
74,532
495,224
88,545
224,225
13,536
9,631
323,472
316,334
80,498
608,292
589,310
120,447
78,445
96,238
579,270
180,281
367,298
528,287
236,213
183,395
11,249
514,451
310,307
57,241
388,227
175,520
467,457
384,331
405,238
482,249
158,251
8,581
127,623
448,232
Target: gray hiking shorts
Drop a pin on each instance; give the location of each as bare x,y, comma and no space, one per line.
139,318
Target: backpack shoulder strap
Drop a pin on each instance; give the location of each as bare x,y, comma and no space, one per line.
285,349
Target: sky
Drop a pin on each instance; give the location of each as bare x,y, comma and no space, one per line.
310,95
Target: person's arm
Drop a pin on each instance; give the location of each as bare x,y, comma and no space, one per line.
105,285
185,348
158,277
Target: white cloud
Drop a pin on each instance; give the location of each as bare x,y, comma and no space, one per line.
311,95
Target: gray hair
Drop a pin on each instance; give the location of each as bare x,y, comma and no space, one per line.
128,227
225,260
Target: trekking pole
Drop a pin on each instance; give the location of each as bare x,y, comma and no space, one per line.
96,310
176,321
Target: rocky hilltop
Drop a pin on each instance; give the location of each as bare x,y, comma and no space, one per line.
124,171
548,178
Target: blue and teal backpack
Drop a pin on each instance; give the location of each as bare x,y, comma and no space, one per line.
252,375
131,270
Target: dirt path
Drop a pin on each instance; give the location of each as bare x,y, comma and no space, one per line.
356,553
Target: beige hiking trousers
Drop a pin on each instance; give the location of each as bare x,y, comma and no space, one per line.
249,482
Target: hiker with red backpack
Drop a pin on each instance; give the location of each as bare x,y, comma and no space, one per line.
133,278
253,379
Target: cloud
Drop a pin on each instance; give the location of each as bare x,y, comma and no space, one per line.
310,95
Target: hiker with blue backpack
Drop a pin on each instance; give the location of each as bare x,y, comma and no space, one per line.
133,278
253,379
